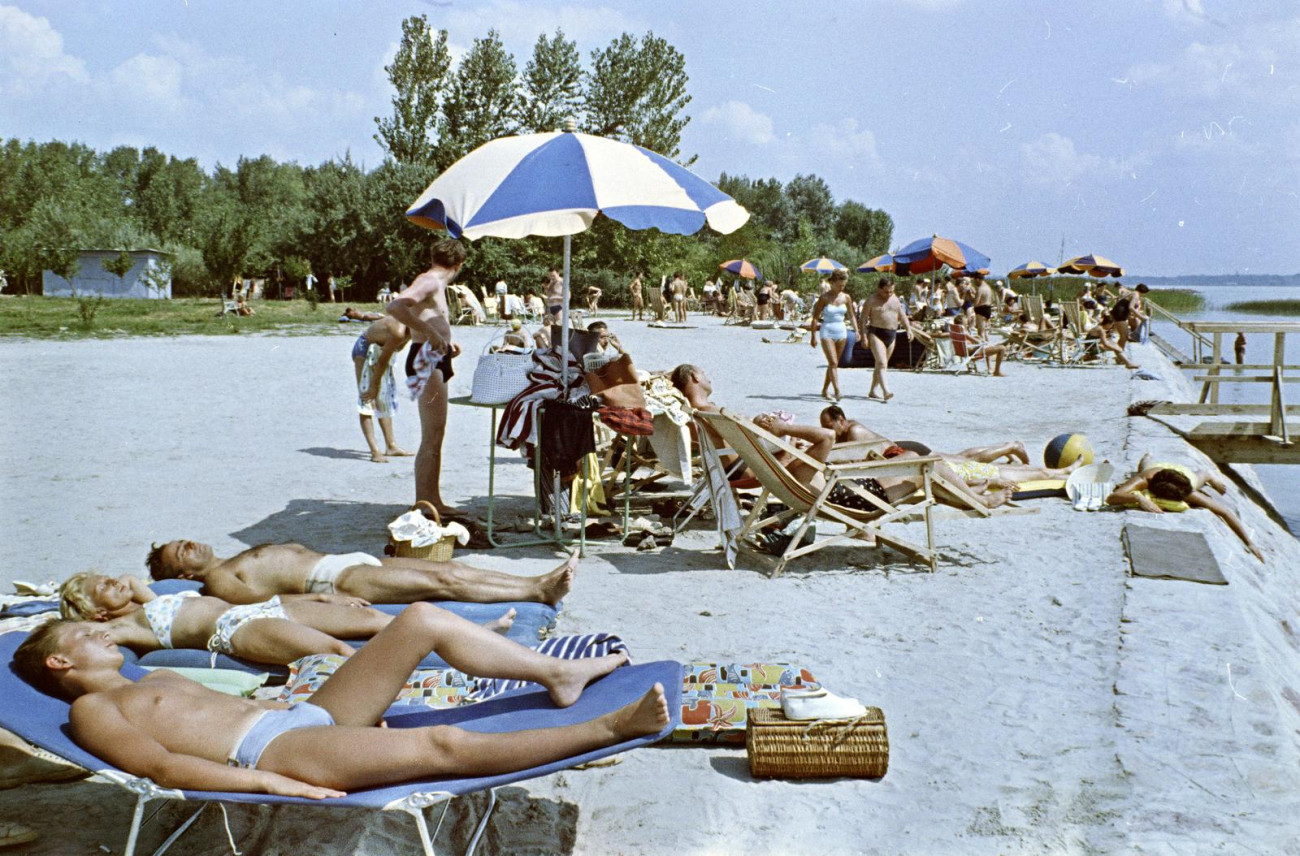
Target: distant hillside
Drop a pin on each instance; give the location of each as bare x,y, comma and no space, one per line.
1244,279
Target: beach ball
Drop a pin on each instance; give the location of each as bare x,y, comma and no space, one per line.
1065,449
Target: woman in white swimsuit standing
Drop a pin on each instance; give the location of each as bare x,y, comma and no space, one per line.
831,312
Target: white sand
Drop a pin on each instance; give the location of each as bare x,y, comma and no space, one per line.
1038,700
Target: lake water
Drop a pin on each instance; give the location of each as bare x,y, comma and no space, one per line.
1282,482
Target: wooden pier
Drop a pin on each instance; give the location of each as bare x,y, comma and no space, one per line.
1233,442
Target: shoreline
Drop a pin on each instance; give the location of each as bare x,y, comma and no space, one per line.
1038,699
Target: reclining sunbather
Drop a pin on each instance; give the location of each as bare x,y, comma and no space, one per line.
976,466
182,735
291,570
270,632
1158,486
821,441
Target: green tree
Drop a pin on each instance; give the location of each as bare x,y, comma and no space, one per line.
119,266
225,240
418,73
636,92
867,230
552,84
812,201
482,102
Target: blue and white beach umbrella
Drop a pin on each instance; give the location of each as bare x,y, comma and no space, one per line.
556,183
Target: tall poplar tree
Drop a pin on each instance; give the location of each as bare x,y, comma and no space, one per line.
482,102
637,91
552,84
419,74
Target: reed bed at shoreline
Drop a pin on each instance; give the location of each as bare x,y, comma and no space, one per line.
1267,307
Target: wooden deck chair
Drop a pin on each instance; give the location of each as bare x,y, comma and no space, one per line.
491,306
754,446
1080,351
968,350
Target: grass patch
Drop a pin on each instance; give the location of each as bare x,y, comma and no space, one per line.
1267,307
1177,299
65,318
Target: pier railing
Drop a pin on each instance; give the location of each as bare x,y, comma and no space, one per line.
1270,442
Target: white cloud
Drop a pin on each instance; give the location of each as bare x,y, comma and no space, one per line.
844,141
1184,10
31,55
1053,161
1258,65
153,79
740,122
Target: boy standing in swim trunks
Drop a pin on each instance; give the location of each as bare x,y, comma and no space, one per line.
182,735
372,357
679,298
291,570
422,307
983,309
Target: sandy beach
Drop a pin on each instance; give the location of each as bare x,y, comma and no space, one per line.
1039,700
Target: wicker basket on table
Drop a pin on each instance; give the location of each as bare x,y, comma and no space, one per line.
438,551
779,748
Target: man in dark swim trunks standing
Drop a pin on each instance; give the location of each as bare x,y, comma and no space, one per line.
882,313
983,308
422,307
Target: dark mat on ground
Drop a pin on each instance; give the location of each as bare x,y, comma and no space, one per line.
1171,554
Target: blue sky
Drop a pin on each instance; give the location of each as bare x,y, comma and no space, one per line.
1164,134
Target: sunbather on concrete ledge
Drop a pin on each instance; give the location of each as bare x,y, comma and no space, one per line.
292,570
183,735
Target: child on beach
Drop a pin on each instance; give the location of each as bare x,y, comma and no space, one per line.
372,359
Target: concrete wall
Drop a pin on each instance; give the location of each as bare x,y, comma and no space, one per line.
91,278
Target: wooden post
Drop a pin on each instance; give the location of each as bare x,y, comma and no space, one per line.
1277,414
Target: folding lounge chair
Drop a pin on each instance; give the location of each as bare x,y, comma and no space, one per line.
1047,348
752,443
42,720
967,351
1083,351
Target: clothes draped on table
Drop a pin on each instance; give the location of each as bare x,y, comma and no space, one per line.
518,428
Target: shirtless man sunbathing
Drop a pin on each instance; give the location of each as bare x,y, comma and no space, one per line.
976,466
1156,486
182,735
271,632
819,445
293,571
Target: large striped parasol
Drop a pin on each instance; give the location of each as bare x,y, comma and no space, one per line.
930,254
1092,265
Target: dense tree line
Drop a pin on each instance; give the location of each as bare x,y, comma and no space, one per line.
282,220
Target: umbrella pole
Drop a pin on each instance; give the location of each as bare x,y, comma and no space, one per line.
557,489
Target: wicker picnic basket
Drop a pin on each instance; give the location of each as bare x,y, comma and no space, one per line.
438,551
779,748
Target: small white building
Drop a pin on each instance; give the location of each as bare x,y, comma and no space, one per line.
150,278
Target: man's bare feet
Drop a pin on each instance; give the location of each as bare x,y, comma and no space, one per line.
378,458
999,374
503,623
646,715
398,452
570,677
1018,451
996,498
553,586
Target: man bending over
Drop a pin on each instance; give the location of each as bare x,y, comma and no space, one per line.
292,570
182,735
